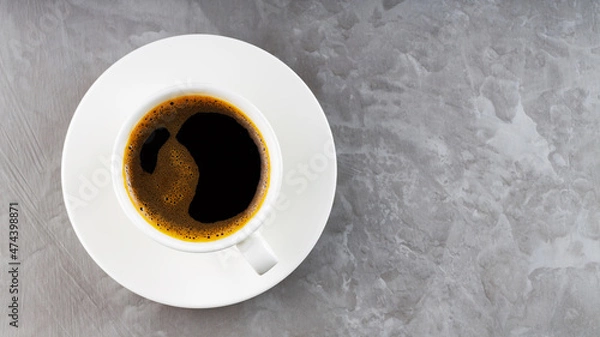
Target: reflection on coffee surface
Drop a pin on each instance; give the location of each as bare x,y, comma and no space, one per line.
196,168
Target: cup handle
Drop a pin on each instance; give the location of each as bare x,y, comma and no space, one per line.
258,253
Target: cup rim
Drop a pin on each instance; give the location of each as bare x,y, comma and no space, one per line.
252,113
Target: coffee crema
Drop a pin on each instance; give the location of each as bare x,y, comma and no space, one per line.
196,168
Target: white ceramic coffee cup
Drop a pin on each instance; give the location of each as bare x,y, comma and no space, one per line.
247,239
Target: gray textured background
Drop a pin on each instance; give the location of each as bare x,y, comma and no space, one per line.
469,165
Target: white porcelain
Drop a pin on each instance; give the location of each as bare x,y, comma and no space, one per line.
173,277
262,258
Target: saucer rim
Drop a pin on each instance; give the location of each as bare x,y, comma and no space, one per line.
329,198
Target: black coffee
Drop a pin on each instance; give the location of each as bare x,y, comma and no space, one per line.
196,168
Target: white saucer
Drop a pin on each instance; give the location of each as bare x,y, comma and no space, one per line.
201,280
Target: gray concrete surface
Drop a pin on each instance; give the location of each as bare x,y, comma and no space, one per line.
469,166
